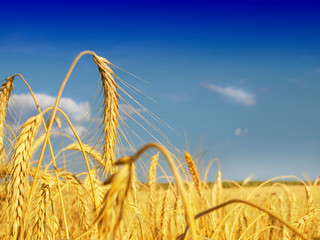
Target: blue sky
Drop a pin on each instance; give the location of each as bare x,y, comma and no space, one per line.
241,77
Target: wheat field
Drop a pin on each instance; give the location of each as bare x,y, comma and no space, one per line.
42,198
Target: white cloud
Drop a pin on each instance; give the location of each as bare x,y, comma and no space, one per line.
240,132
235,94
75,111
237,132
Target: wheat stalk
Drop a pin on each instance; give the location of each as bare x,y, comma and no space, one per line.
152,190
164,215
5,92
18,185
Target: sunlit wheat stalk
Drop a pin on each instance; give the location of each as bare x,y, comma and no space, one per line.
152,175
270,213
164,216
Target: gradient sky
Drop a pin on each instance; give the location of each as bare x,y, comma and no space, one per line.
241,76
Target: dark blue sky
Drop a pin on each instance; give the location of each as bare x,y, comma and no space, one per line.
245,75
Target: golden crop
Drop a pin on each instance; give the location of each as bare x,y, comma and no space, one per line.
39,200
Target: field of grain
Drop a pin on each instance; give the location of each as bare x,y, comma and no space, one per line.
42,199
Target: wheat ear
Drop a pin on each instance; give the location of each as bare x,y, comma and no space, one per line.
18,185
194,173
112,212
41,201
110,110
5,92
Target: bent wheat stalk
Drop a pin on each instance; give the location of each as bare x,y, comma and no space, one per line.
50,123
54,111
263,209
50,147
177,176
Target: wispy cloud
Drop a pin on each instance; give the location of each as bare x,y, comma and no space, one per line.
176,97
262,90
240,132
237,95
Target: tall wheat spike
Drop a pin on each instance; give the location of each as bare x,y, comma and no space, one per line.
5,92
18,184
194,173
110,110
